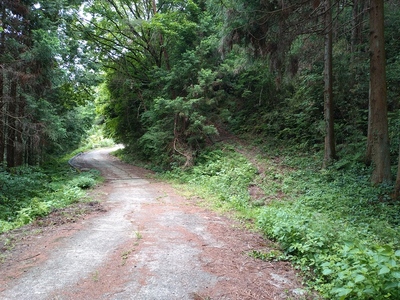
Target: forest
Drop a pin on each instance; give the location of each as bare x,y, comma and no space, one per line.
298,100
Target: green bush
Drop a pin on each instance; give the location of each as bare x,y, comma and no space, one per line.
28,193
342,266
223,174
364,271
84,181
338,229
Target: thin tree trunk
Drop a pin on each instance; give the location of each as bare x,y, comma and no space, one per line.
356,26
330,151
11,125
19,146
378,136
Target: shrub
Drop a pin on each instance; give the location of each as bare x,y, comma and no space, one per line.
225,174
28,193
338,229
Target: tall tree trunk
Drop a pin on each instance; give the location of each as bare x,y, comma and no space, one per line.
11,125
397,185
378,136
2,125
356,26
2,98
2,116
330,151
19,146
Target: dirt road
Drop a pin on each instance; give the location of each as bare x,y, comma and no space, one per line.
147,243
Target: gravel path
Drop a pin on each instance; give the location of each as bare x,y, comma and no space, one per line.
149,244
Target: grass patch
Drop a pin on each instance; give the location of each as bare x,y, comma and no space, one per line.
222,175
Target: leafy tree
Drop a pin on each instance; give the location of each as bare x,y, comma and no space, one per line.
272,29
33,39
161,77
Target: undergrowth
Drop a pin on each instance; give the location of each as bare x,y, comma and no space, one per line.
220,174
341,232
27,193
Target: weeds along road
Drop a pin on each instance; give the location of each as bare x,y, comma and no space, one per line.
150,243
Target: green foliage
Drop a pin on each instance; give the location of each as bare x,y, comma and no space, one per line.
42,78
162,104
27,193
339,230
392,48
292,111
364,271
340,262
83,182
65,128
95,139
175,124
394,129
273,255
221,174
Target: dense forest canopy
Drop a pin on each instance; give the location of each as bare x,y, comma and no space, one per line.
43,88
179,73
176,74
171,79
